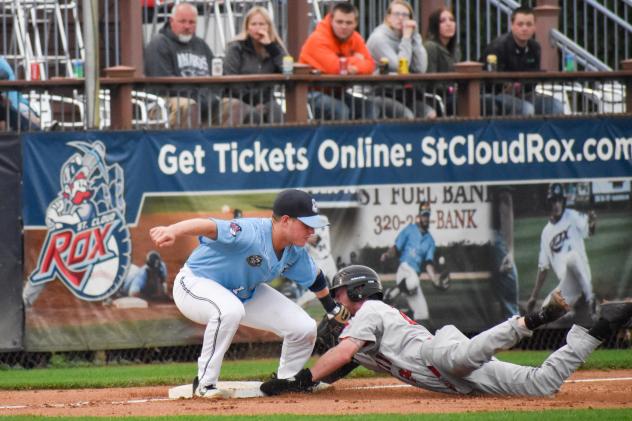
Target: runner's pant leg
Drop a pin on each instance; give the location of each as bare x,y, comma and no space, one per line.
452,352
501,378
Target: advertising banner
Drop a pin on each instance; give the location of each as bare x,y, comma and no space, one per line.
477,191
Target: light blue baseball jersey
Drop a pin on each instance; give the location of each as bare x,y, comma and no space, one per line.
242,257
415,247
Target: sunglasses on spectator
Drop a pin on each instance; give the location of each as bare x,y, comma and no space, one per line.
400,14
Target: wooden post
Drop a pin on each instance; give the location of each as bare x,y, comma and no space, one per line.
626,65
131,35
547,15
297,26
120,98
469,91
296,97
426,9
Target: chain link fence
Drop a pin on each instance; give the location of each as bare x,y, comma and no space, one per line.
543,339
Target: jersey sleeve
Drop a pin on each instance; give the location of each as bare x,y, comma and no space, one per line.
402,237
303,270
543,257
580,221
366,325
230,233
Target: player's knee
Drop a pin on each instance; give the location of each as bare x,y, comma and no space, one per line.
233,315
304,330
545,388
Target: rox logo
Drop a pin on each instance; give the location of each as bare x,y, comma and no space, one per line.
72,255
87,246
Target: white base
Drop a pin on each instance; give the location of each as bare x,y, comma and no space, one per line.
130,302
230,390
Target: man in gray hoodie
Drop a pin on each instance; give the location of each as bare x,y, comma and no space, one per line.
177,51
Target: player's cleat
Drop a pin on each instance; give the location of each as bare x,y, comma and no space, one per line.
208,392
617,313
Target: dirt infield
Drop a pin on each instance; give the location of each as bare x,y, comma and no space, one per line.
595,389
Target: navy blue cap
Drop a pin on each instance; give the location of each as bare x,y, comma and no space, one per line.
424,208
300,205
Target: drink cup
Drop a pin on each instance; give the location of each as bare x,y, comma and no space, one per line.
217,67
78,69
403,66
344,70
288,65
35,70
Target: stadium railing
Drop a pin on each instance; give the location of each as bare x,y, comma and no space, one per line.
129,102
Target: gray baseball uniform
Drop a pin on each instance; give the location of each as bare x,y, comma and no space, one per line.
449,362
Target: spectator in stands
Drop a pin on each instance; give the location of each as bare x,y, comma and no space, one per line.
398,38
177,51
335,47
15,110
443,52
258,49
517,51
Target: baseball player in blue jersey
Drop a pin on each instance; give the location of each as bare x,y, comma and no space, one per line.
416,248
383,339
223,284
148,282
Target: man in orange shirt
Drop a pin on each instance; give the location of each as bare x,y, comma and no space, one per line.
335,48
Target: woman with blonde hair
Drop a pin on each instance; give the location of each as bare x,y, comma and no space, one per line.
257,49
396,39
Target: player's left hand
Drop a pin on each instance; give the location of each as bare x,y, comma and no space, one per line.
162,236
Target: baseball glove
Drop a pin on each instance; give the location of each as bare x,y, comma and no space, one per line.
301,382
329,330
442,282
327,334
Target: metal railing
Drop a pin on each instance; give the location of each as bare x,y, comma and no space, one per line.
602,28
277,100
51,31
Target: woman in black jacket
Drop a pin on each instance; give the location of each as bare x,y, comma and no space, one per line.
443,51
257,49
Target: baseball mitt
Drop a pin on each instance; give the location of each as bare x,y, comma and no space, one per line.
328,331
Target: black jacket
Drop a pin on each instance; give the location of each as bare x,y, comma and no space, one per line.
511,57
242,59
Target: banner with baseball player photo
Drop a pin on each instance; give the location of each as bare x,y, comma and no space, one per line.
451,215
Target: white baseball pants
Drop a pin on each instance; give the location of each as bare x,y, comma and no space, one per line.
206,302
416,301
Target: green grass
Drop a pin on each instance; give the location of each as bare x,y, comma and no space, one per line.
608,251
549,415
121,375
208,203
